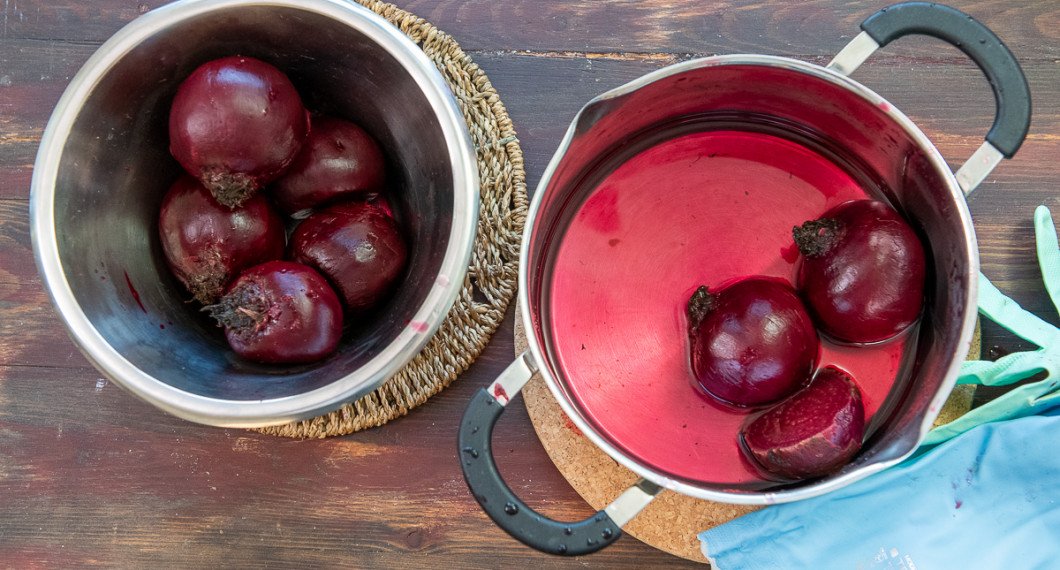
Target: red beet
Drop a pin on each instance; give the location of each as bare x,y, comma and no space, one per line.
280,312
235,124
752,342
357,246
338,159
813,433
862,273
207,245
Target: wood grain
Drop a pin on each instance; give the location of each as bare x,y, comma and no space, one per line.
91,476
815,27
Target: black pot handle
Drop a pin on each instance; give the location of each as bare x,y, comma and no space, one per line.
510,513
1013,97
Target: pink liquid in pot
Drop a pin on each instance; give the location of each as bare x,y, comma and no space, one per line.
699,209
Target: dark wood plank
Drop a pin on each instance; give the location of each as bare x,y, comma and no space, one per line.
816,27
101,478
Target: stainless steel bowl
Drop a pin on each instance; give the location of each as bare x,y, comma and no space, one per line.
103,168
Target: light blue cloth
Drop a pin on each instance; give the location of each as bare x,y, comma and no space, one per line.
987,499
981,492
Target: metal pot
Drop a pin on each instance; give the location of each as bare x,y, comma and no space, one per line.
811,99
103,168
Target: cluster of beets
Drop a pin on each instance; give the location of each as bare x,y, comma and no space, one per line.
754,343
237,125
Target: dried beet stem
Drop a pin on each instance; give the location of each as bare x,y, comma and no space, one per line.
207,285
230,189
816,237
243,310
701,304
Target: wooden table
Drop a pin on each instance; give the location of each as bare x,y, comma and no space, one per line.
89,475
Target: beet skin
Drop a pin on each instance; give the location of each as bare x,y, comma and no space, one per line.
357,246
752,342
862,273
235,124
339,159
280,313
206,244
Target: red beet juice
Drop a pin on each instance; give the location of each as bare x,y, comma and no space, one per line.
702,207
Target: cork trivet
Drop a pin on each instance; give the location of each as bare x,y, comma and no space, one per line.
490,283
672,521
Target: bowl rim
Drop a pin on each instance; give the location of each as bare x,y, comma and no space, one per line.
261,412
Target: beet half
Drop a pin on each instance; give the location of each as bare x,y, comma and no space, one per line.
206,244
357,246
338,159
752,343
235,124
862,273
813,433
280,313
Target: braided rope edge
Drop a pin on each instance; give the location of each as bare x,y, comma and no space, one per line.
491,282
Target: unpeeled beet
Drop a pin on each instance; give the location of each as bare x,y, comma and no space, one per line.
862,273
752,342
813,433
235,124
338,159
206,244
357,246
280,313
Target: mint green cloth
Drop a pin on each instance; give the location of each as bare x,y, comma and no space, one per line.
1031,398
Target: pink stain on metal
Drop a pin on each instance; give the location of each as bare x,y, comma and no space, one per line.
418,326
499,394
135,293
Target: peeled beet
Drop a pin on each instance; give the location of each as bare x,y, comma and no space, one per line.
281,313
206,244
235,124
357,246
752,342
338,159
862,273
813,433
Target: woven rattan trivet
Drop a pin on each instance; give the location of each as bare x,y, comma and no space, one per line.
494,262
672,521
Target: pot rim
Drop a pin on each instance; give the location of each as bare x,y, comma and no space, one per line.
823,486
257,413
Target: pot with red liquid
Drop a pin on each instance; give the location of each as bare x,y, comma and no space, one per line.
695,174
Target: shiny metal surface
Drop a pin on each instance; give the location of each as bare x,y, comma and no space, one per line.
632,501
512,380
869,130
103,168
978,166
853,54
